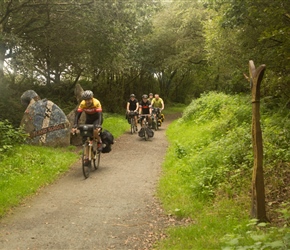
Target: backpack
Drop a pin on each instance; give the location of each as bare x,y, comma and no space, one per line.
108,140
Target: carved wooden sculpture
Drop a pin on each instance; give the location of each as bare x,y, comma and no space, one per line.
258,210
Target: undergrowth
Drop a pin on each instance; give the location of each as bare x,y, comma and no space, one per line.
208,168
10,136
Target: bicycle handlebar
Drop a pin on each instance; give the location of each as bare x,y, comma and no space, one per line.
88,127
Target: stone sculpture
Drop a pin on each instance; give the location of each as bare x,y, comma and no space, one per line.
44,121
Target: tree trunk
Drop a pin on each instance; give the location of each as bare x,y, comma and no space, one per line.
2,59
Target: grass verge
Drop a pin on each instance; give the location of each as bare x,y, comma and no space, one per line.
27,168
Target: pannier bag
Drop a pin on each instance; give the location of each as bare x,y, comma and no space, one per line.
149,131
159,122
141,132
130,115
107,140
86,130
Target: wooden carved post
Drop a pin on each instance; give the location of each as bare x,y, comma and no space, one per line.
258,190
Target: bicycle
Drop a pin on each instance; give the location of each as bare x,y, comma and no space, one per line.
131,116
145,132
92,160
157,118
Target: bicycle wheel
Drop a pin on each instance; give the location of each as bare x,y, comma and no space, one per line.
97,159
155,123
146,136
86,165
132,125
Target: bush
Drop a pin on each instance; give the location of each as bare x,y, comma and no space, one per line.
10,136
276,136
215,142
207,107
258,236
207,175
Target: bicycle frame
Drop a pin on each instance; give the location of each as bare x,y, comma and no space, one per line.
132,116
144,120
144,125
156,112
90,157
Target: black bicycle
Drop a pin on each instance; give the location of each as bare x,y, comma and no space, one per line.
145,131
131,116
91,156
156,122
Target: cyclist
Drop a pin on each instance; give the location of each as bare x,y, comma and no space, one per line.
133,105
157,102
150,97
144,108
93,110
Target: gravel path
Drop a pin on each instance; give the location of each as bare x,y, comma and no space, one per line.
114,208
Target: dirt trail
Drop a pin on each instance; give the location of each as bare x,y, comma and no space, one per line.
113,209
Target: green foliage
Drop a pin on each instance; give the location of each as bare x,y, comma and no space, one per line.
10,100
174,108
115,123
241,30
174,50
10,136
218,146
209,164
257,236
179,49
276,140
215,105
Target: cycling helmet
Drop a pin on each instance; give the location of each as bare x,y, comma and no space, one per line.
88,94
151,94
132,95
145,96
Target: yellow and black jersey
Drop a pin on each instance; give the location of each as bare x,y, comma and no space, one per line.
94,108
93,113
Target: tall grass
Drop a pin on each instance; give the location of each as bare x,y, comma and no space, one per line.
208,167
